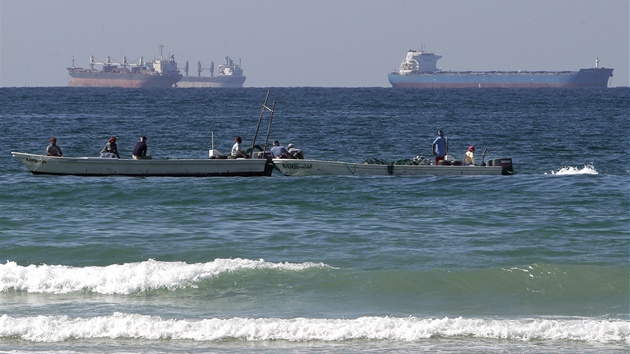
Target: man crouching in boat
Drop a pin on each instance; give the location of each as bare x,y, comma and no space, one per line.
295,152
140,150
280,152
110,149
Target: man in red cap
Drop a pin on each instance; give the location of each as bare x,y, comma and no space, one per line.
110,149
469,158
53,149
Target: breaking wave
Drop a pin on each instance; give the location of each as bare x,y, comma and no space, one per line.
129,277
135,326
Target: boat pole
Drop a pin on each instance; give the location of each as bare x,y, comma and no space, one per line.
262,113
273,109
446,153
483,156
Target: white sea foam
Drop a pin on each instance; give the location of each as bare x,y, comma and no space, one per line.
127,278
120,325
570,170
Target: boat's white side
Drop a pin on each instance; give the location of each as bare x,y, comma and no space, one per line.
294,167
96,166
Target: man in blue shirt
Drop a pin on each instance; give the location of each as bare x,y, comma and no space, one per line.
440,147
280,152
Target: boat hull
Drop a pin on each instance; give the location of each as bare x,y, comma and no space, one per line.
215,82
292,167
93,78
96,166
585,78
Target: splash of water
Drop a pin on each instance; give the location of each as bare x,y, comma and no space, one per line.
570,170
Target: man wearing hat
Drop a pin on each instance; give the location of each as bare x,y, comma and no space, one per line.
295,152
110,149
469,157
53,149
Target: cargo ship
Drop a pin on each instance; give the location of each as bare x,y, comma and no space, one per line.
419,70
229,75
160,73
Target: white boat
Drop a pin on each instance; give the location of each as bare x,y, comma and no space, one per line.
97,166
295,167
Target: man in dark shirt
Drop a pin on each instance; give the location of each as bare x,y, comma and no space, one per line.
140,150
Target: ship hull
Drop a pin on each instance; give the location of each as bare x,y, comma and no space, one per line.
125,80
299,167
594,77
216,82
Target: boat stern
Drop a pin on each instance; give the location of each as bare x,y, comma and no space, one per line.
505,163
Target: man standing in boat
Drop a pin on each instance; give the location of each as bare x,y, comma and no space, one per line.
140,150
53,149
440,147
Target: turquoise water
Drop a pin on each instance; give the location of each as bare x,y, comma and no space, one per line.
535,262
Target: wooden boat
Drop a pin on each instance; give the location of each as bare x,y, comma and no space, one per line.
295,167
97,166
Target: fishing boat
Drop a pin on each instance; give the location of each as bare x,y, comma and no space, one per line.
98,166
216,165
307,167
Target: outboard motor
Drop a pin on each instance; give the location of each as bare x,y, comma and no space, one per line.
506,163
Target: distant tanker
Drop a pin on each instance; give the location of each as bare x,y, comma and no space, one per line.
230,75
159,73
419,70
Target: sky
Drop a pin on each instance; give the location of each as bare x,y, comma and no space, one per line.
316,43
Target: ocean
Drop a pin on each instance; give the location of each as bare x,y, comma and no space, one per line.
535,262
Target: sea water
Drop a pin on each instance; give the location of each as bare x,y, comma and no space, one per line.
530,263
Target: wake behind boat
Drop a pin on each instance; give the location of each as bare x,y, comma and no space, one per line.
97,166
293,167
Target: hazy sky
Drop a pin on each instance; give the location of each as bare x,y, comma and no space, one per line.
328,43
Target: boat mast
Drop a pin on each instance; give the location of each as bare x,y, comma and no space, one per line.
265,108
